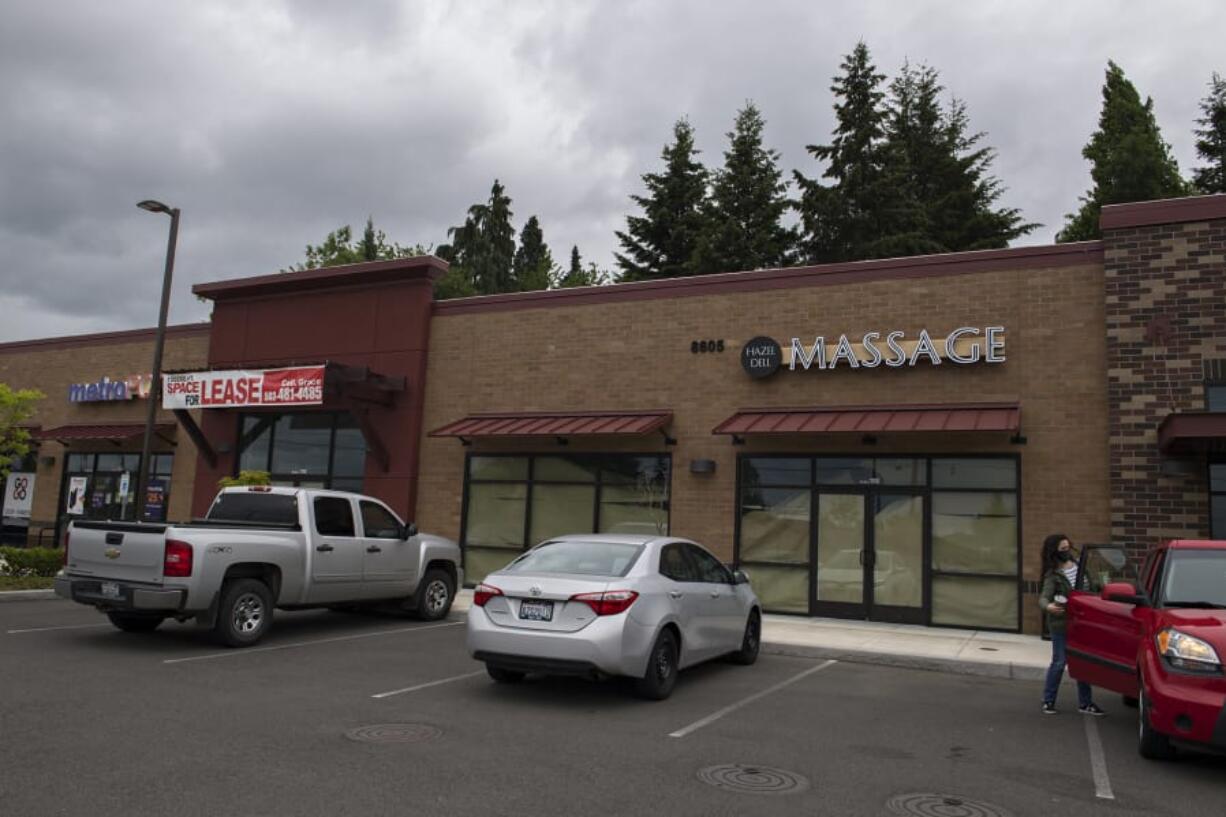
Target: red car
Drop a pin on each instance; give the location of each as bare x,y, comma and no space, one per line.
1159,641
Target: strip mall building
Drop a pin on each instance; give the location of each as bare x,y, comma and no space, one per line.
887,440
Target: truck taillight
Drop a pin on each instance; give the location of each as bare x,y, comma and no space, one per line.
178,561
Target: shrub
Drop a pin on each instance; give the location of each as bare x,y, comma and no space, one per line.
31,561
245,478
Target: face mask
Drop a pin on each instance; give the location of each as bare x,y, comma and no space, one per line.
1064,556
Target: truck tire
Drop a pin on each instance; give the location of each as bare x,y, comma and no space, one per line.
244,613
434,596
135,623
1151,743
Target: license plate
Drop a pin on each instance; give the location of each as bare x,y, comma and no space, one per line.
536,610
110,590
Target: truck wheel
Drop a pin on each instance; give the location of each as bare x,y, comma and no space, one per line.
661,676
434,596
244,613
1151,743
130,623
504,676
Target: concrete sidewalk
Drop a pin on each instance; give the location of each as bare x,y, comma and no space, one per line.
965,652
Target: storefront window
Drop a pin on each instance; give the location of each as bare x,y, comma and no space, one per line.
304,449
103,486
514,502
1215,397
1217,500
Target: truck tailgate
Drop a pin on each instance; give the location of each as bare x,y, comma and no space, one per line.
122,551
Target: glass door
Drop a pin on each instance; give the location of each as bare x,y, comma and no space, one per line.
843,555
896,589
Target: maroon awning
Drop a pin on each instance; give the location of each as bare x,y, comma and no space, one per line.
559,424
113,431
1192,432
980,417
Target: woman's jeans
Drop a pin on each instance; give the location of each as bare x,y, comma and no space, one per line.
1056,671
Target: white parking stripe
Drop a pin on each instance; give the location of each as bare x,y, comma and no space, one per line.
709,719
63,627
253,650
428,684
1098,761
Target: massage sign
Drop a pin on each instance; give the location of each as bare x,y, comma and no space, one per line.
964,346
297,386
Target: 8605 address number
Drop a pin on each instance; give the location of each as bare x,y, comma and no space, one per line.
702,347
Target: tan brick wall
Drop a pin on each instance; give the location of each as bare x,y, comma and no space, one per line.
636,355
52,366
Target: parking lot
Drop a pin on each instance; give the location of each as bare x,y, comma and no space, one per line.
94,721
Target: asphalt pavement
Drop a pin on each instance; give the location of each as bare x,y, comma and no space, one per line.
340,714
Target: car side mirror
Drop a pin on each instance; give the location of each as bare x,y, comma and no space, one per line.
1124,593
408,531
740,577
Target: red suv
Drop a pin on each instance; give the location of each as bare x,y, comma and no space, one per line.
1159,640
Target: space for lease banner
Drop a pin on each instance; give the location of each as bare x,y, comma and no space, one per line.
299,386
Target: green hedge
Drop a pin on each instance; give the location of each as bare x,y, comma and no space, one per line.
30,561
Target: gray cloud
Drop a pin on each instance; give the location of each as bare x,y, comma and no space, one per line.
270,124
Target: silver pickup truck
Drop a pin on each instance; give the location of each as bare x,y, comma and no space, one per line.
259,548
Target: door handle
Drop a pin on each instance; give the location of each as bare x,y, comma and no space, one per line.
861,558
374,549
675,594
325,548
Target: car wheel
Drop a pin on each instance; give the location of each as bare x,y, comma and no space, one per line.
661,676
244,613
1151,743
751,641
503,675
434,596
135,623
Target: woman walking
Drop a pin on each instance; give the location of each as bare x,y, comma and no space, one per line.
1059,578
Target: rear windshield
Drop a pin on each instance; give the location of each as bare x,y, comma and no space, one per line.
578,558
1195,577
261,508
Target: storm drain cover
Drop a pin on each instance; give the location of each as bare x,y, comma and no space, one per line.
942,805
748,779
394,733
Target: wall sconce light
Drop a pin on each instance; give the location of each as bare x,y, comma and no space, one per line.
702,466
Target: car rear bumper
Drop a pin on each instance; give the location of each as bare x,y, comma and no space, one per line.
1188,708
610,645
131,596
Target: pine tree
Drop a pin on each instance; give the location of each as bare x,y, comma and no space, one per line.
661,242
1211,139
533,264
748,199
1129,161
839,220
484,247
338,247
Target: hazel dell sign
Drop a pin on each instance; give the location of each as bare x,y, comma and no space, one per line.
299,386
963,346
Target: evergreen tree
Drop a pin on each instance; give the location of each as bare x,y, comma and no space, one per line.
484,246
1129,161
338,247
578,275
661,242
1211,139
533,264
748,199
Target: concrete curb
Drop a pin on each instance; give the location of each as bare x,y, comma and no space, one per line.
26,595
956,666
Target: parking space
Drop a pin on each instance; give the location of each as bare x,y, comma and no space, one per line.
96,721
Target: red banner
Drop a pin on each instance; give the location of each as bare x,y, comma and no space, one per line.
299,386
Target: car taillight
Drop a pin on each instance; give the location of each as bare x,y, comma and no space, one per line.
608,603
484,593
178,561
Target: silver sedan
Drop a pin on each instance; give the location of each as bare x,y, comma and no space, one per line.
605,604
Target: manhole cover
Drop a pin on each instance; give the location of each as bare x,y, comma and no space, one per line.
942,805
394,733
748,779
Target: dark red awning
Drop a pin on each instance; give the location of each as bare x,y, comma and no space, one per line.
560,424
980,417
1192,432
113,431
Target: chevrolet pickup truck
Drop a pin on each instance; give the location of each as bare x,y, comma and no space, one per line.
259,548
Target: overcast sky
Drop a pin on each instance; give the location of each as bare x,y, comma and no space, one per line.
272,123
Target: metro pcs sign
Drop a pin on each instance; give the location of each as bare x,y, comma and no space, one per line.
298,386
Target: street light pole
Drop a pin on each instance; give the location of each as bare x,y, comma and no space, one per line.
155,389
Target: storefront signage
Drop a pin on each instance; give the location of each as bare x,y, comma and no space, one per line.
963,346
75,502
108,390
18,495
761,357
299,386
155,499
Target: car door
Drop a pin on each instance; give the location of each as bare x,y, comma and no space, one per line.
1103,636
685,597
720,615
336,562
388,561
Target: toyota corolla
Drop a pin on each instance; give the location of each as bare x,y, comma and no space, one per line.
603,605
